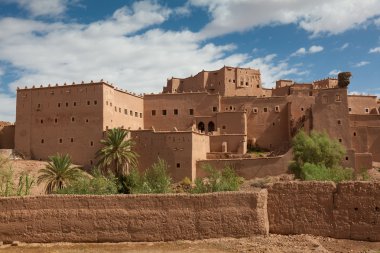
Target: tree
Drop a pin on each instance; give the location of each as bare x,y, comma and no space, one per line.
117,155
58,173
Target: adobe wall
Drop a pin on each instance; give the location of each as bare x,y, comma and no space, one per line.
123,218
347,210
358,104
267,119
236,143
166,111
122,109
179,149
7,136
250,168
65,119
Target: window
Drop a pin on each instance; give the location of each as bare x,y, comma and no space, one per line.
214,109
340,140
175,111
91,143
106,102
136,114
277,108
346,158
302,109
310,93
178,165
337,98
223,127
258,86
140,115
241,83
255,110
366,110
42,121
95,102
110,104
59,104
42,141
56,120
72,139
60,140
339,122
119,109
246,83
115,109
72,119
39,106
67,104
131,112
191,111
153,112
265,109
126,111
75,103
354,133
163,112
86,120
349,109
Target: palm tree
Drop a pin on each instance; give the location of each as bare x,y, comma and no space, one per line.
58,173
117,154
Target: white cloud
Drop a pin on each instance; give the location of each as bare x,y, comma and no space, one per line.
7,108
272,71
312,50
38,8
315,16
344,46
334,72
361,64
374,50
377,22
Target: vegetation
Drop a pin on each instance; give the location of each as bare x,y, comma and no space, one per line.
216,181
117,156
98,185
7,185
58,173
317,157
155,179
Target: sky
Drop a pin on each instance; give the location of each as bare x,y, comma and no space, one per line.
138,45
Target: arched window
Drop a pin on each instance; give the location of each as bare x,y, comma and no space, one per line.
201,126
211,126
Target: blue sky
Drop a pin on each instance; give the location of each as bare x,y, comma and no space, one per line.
137,45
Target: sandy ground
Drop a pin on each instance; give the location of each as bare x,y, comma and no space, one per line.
271,243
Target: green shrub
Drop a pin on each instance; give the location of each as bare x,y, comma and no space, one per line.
322,173
98,185
216,181
155,179
7,185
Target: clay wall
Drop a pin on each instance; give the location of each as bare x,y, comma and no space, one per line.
179,149
267,119
330,114
7,136
242,82
231,122
123,218
283,83
67,119
180,109
358,104
250,168
374,142
122,109
347,210
236,143
327,83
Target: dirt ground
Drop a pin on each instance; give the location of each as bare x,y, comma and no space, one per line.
259,244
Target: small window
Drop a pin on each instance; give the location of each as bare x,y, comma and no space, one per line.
140,115
67,104
366,110
175,111
233,81
56,120
214,109
302,109
110,104
223,127
95,102
60,140
86,120
273,124
131,112
59,104
277,108
191,111
88,102
91,162
153,112
126,111
241,83
42,141
265,109
255,110
337,98
178,165
258,86
75,104
106,102
42,121
91,143
72,139
115,109
349,109
339,122
246,83
340,140
119,109
72,119
136,114
346,158
354,133
310,93
163,112
39,106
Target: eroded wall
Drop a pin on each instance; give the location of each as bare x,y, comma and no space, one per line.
123,218
358,104
7,135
